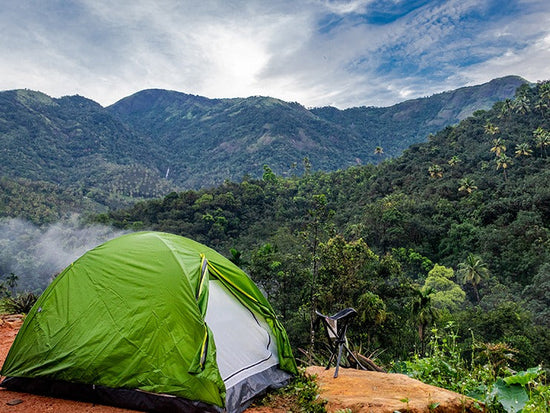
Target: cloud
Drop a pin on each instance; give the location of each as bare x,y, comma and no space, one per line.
317,52
37,254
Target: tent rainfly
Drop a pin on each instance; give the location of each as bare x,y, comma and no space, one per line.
155,322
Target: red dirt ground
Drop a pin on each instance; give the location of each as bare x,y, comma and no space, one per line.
358,391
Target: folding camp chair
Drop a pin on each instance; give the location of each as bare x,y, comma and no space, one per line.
336,327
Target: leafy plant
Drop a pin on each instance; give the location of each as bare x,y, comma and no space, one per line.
486,378
301,395
20,304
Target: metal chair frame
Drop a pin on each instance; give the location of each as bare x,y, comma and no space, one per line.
336,327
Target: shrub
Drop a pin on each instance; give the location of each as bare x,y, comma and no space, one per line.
20,304
301,395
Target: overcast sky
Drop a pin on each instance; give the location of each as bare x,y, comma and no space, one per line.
317,52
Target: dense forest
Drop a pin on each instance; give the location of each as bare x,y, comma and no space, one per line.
64,154
443,251
456,230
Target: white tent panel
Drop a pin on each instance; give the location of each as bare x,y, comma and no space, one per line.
244,350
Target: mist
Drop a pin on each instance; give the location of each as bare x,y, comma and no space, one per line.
37,254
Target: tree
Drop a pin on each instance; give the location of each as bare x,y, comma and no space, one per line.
372,312
447,294
307,165
455,160
503,161
12,281
7,287
523,149
467,185
491,129
473,271
269,175
506,109
537,296
341,272
541,106
498,146
521,105
236,257
424,314
319,214
542,139
435,171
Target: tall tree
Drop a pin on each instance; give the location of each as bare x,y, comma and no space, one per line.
521,105
424,314
498,146
473,271
318,216
523,149
503,161
467,185
542,139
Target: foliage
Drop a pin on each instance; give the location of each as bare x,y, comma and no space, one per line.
301,395
19,304
71,153
487,378
447,294
409,252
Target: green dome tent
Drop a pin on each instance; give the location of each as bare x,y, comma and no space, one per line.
151,321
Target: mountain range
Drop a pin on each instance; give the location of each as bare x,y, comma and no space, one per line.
157,141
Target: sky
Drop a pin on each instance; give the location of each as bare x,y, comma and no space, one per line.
343,53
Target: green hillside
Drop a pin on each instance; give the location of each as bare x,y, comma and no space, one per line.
75,145
206,141
237,136
399,126
476,195
72,154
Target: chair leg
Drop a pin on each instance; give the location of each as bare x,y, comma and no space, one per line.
330,359
340,347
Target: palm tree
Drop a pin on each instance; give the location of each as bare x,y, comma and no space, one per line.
473,271
4,291
423,313
504,161
491,129
467,185
541,106
435,171
542,139
11,280
455,160
523,149
521,105
498,146
506,109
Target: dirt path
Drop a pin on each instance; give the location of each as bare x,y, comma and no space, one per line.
359,391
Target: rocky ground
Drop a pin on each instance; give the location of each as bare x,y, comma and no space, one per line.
358,391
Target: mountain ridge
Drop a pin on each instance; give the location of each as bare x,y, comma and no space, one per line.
156,141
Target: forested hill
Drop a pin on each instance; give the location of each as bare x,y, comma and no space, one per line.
61,155
474,199
235,137
70,154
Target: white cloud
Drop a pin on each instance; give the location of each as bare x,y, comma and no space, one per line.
316,52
